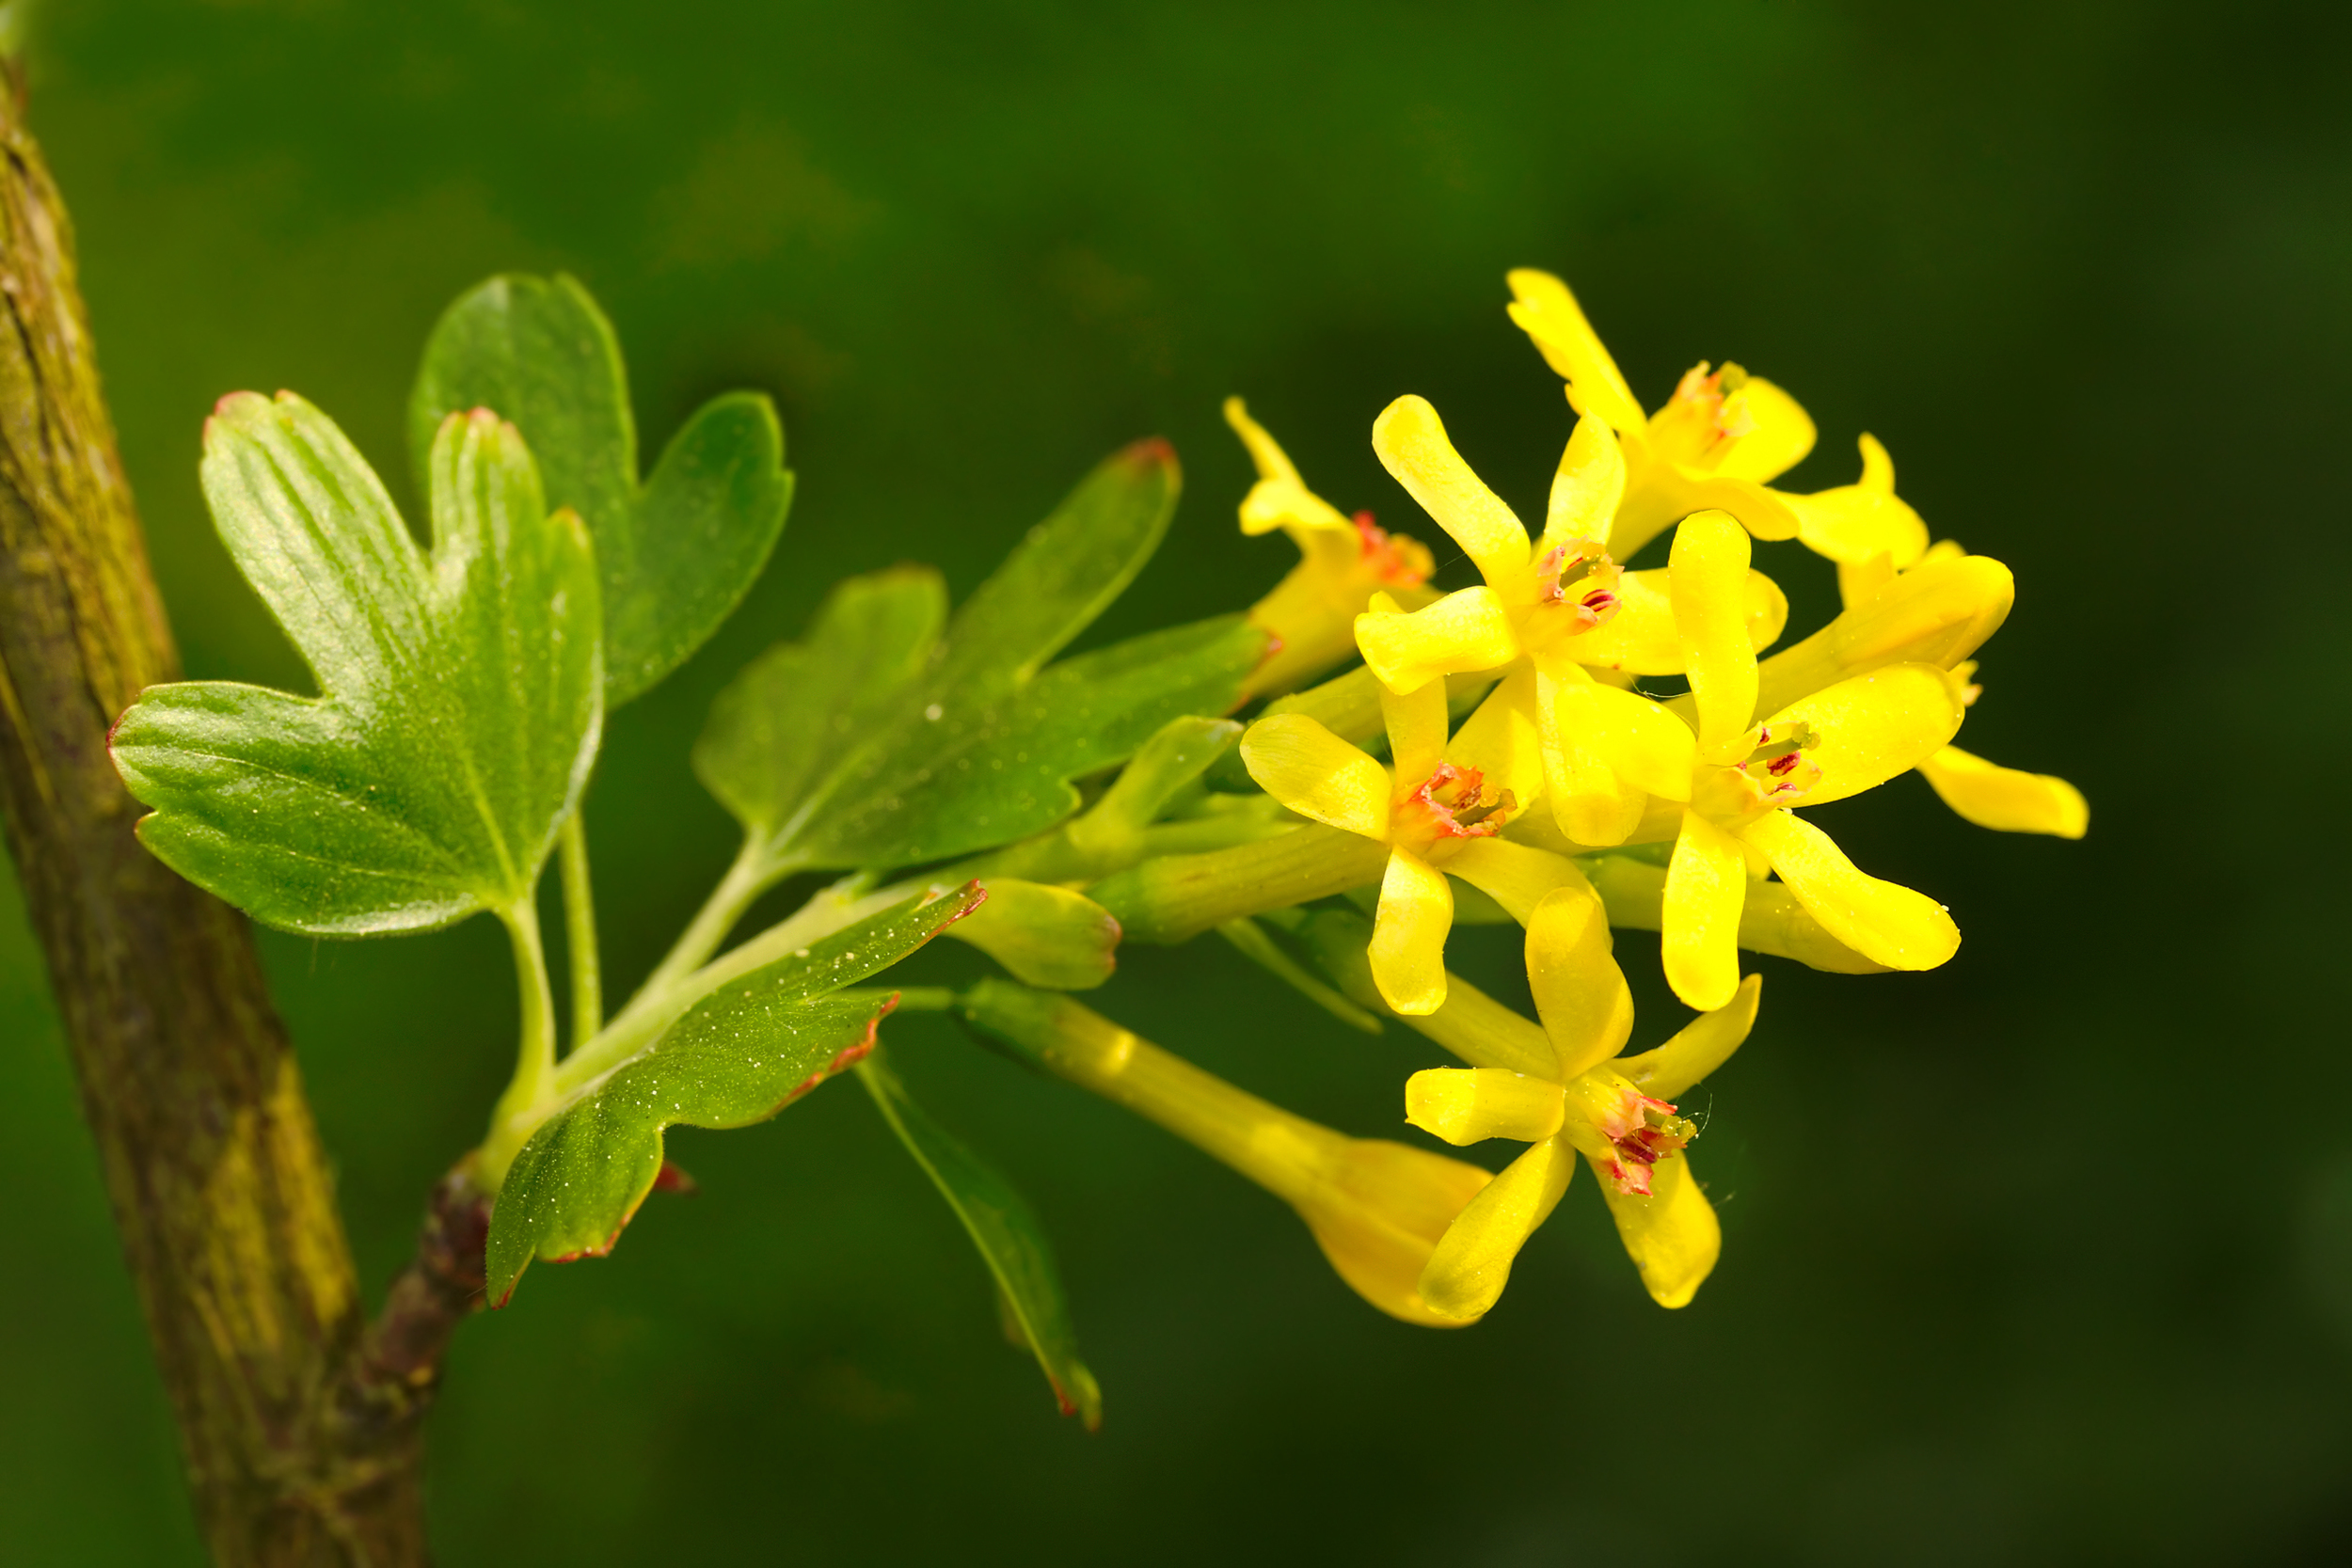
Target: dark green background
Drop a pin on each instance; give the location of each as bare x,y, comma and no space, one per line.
2043,1258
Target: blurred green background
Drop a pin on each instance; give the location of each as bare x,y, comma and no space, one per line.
2043,1258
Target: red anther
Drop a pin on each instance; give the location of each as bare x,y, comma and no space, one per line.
1386,557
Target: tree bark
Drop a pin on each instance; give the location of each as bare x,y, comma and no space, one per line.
300,1423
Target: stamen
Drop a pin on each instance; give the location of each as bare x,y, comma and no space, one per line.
1658,1135
1580,564
1779,766
1390,557
1451,803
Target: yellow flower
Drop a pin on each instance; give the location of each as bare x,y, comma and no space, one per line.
1343,562
1982,792
1737,780
1564,1092
1561,604
1715,445
1377,1208
1436,810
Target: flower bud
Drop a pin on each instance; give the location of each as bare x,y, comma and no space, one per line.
1376,1209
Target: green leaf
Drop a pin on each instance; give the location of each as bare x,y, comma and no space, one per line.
461,688
676,553
781,729
876,742
1011,1242
737,1057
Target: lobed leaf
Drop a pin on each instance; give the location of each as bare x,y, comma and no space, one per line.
1011,1241
879,741
676,553
737,1057
461,688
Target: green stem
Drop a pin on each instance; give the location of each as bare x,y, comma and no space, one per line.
1176,898
750,876
520,1108
580,931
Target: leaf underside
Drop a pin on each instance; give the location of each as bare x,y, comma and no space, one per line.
880,741
676,553
461,688
737,1057
1010,1239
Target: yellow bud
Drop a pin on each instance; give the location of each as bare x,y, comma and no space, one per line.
1376,1209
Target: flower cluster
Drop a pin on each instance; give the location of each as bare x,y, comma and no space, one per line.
1581,746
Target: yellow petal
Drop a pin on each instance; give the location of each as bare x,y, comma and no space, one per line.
1317,774
1647,745
1416,724
1590,804
1771,921
1857,581
1273,463
1640,639
1500,741
1544,308
1378,1209
1587,489
1580,993
1873,727
1938,612
1853,523
1672,1235
1464,631
1710,563
1287,504
1702,1045
1412,445
1783,433
1472,1262
1662,494
1467,1106
2004,798
1706,882
1885,923
1407,951
1517,875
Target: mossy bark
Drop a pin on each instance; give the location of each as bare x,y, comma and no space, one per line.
300,1422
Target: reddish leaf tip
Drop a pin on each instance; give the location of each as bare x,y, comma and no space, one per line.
673,1179
1153,451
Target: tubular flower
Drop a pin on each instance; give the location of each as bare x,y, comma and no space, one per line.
1565,1093
1377,1208
1343,562
2003,798
1715,445
1737,780
1434,810
1560,604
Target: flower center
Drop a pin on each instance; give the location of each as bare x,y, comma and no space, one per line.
1576,590
1626,1131
1706,413
1392,559
1777,773
1450,804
